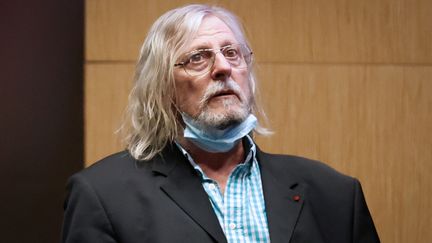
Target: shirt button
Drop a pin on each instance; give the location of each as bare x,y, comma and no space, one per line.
232,226
212,187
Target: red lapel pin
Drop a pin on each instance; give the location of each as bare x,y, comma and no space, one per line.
296,198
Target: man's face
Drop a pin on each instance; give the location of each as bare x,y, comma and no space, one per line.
222,96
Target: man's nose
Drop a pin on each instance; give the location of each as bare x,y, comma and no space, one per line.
221,68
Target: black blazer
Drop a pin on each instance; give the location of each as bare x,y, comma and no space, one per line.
120,199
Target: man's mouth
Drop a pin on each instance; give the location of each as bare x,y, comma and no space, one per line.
224,93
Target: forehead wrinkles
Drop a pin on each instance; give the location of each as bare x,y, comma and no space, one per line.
211,25
221,38
212,30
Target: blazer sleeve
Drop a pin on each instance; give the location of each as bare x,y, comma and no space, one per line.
363,227
85,219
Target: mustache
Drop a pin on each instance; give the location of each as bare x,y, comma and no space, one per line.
219,87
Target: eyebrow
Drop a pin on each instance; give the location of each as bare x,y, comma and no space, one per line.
206,45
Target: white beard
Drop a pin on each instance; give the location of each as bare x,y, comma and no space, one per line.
235,110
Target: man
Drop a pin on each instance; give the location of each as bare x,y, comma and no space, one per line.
192,172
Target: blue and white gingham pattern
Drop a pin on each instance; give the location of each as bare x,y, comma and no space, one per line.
241,209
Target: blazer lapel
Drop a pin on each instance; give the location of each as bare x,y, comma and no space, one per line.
184,187
283,198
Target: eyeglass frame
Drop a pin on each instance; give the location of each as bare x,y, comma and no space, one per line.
221,50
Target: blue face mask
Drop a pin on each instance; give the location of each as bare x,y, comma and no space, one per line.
216,140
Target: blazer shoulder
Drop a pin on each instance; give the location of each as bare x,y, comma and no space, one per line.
115,167
113,162
305,169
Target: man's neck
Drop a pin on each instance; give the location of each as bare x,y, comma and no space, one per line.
217,166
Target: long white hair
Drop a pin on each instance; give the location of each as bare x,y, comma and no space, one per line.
152,119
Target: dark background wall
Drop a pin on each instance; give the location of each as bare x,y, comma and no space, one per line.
41,114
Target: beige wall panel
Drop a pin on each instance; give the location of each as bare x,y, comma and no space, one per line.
106,90
116,29
312,31
372,122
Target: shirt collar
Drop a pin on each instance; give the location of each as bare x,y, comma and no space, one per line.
249,147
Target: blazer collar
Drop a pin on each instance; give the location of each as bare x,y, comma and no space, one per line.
283,196
184,187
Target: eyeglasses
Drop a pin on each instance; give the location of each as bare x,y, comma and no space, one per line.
201,61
